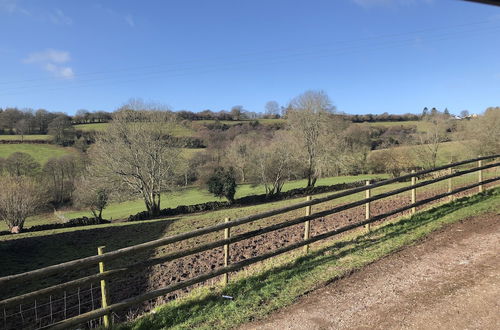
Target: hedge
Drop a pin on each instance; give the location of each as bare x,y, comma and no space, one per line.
76,222
245,201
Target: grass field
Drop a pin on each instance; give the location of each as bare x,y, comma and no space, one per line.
41,152
25,138
179,130
422,126
280,281
190,196
457,149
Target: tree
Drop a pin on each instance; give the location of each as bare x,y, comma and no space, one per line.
484,132
19,198
136,153
21,164
238,154
273,161
425,112
62,130
464,113
432,139
310,120
60,175
92,194
272,108
222,183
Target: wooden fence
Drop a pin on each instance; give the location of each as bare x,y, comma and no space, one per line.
105,275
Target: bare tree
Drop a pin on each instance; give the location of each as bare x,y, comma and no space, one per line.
484,132
21,164
92,194
273,162
309,121
136,153
19,198
238,154
432,139
272,108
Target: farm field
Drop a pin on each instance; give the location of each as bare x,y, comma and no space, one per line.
179,130
31,137
446,150
422,126
190,196
119,235
41,152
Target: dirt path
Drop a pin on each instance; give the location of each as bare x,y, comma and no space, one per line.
451,280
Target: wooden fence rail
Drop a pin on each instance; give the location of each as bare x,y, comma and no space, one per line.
106,274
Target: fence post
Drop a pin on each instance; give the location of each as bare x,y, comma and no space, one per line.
450,184
367,207
225,277
307,225
104,289
413,192
480,175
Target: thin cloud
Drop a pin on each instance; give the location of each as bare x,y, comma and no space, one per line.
52,61
127,18
130,20
49,55
12,7
58,17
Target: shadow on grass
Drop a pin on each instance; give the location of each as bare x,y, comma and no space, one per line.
269,286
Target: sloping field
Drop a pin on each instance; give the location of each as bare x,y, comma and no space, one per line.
32,137
179,130
41,152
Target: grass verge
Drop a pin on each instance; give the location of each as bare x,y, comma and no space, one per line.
277,283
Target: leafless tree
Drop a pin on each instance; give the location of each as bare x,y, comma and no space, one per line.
19,198
484,132
273,162
136,153
310,121
432,138
272,108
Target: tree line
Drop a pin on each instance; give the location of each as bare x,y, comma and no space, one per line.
136,156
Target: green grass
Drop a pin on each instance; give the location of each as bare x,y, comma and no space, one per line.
458,149
25,138
280,281
179,130
422,126
41,152
196,196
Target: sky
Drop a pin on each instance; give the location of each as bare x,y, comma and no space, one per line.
370,56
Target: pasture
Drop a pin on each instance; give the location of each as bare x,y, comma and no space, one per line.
178,131
446,151
32,137
40,152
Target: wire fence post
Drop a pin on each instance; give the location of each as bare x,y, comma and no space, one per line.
104,289
227,233
480,175
367,207
413,192
307,225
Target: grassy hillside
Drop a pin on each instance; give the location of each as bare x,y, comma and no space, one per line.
446,151
179,130
185,196
41,152
25,138
422,126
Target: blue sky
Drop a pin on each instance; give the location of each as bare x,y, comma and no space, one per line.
370,56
